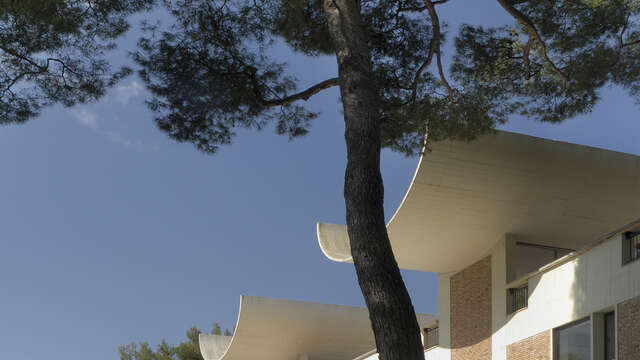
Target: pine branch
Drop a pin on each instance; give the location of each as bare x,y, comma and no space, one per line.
435,21
525,56
303,95
524,20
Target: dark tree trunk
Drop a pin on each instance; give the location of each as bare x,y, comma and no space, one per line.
392,316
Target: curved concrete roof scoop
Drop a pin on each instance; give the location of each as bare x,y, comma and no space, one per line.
274,329
464,198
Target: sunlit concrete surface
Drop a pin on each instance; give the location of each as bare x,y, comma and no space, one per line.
465,196
275,329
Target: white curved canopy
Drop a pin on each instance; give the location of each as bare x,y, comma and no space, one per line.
465,197
274,329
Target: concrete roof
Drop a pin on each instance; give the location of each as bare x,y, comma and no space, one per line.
274,329
465,196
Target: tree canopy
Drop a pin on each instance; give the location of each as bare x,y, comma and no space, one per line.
210,73
54,52
185,350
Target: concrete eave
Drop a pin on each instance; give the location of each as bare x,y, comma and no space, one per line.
465,196
274,329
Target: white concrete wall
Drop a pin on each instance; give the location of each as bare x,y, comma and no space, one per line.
444,318
437,353
444,310
592,282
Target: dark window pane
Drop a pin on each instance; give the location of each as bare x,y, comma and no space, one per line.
609,336
630,247
573,342
517,298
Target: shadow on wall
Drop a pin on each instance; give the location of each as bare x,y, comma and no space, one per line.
471,310
591,282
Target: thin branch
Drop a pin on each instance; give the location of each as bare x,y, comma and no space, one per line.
16,79
442,77
621,35
424,65
523,19
22,57
631,43
621,42
525,56
306,94
303,95
411,9
435,22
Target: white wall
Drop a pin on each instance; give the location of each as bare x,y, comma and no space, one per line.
592,282
444,310
436,353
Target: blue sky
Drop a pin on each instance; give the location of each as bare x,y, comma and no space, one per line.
113,233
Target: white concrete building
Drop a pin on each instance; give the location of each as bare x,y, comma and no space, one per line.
535,243
274,329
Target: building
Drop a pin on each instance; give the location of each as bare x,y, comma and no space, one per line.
535,245
274,329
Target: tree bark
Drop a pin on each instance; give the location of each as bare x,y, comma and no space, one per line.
391,313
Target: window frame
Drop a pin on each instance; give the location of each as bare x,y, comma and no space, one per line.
556,348
609,316
629,239
512,306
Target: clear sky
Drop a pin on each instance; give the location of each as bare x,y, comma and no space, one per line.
111,232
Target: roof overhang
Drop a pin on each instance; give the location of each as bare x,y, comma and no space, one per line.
465,197
274,329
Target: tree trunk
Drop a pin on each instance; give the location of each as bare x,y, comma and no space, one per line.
391,313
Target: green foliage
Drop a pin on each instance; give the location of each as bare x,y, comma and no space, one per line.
186,350
589,44
53,51
216,329
210,73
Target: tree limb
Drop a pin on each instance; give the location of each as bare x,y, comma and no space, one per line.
524,20
22,57
636,42
525,56
421,69
303,95
435,21
621,42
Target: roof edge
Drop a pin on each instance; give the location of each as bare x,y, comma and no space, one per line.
334,241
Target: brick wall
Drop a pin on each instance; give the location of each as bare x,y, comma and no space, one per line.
629,330
471,312
536,347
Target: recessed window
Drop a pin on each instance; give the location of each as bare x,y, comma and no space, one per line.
526,258
573,341
630,247
517,298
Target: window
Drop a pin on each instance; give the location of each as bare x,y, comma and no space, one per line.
431,337
609,336
573,341
630,247
525,258
517,298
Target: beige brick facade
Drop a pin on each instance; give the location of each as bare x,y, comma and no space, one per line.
471,312
537,347
629,330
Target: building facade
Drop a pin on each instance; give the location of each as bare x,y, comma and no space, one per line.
536,244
